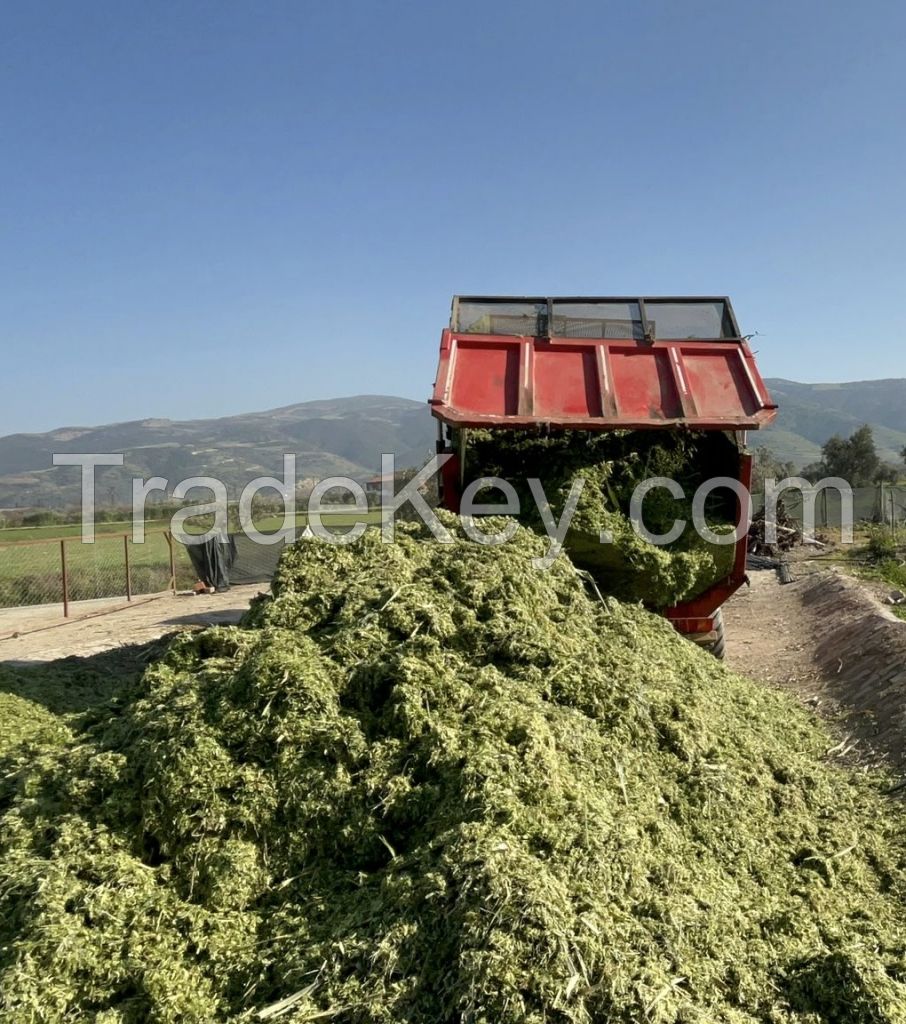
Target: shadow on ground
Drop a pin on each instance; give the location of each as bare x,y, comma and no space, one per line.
218,617
76,685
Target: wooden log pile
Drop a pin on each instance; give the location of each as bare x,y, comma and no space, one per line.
787,533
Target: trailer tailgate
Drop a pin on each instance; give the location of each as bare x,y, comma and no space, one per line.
495,380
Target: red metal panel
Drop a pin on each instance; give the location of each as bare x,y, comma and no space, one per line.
598,384
644,384
565,383
720,377
487,378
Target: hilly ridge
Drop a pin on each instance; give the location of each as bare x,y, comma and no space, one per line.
347,436
811,413
339,437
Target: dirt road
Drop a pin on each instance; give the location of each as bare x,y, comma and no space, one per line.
771,634
831,641
45,638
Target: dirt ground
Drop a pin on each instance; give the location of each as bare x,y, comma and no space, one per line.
770,634
831,641
35,635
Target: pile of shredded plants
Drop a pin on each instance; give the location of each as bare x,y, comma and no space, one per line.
39,703
611,464
432,784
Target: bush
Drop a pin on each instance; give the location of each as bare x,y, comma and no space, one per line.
42,517
882,543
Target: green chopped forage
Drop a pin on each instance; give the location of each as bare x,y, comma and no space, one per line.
609,466
430,783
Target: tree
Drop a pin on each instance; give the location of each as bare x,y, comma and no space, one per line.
854,459
887,474
767,464
903,453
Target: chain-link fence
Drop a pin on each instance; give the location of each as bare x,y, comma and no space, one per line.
65,570
881,503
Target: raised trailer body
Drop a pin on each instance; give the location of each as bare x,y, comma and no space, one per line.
599,364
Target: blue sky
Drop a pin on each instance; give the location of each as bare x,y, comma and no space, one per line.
210,208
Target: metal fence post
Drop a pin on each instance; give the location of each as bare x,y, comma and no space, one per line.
126,558
169,540
65,578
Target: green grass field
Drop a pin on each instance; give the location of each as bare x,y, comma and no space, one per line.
31,573
16,534
56,531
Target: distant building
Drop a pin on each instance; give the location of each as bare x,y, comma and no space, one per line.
374,486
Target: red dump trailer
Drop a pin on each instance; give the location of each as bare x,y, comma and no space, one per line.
602,363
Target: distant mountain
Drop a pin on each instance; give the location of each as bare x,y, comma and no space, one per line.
346,437
343,436
811,413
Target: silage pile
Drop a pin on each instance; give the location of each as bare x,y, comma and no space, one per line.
608,466
432,784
